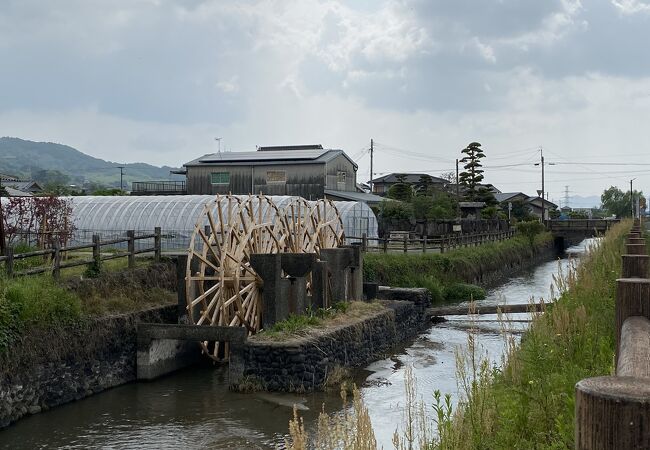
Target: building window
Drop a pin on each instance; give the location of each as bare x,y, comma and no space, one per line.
340,177
220,178
276,176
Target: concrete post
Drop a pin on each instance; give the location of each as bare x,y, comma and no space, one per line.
274,289
338,260
297,266
355,286
635,266
320,285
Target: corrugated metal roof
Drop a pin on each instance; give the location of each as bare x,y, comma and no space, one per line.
265,157
354,196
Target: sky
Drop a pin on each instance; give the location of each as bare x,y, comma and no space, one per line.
157,81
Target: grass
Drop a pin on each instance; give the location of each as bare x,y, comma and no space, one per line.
40,302
441,273
34,302
339,314
530,402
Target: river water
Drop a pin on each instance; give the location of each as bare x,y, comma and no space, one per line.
193,409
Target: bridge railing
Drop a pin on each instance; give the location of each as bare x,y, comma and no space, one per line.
613,412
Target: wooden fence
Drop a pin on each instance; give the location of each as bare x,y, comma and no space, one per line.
403,242
56,260
613,412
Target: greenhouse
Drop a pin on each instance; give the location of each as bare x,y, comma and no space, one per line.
177,216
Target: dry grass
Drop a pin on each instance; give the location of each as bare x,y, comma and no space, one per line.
354,312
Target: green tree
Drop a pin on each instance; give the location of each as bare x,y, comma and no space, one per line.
617,203
472,176
530,229
401,190
391,209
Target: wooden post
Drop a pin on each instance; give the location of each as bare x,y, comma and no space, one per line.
385,245
131,248
97,251
612,413
364,242
632,299
634,354
157,244
636,249
56,268
442,243
424,244
633,240
9,262
635,266
406,245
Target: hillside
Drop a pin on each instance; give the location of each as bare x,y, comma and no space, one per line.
46,161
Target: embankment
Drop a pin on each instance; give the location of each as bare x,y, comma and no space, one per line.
530,402
309,361
53,350
482,265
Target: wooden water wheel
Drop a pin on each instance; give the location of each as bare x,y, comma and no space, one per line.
221,287
299,224
328,226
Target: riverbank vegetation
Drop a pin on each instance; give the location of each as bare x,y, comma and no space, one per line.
40,302
529,402
446,275
341,313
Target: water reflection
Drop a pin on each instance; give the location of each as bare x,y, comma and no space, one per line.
193,409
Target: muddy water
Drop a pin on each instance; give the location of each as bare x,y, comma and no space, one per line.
193,409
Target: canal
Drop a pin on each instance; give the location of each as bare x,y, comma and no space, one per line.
193,409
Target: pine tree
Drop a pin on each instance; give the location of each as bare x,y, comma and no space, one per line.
472,176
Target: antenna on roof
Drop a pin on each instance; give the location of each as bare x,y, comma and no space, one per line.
218,139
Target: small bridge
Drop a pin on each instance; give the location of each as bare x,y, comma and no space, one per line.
574,230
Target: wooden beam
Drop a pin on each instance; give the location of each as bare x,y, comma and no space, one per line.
485,309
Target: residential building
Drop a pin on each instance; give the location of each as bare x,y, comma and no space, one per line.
381,185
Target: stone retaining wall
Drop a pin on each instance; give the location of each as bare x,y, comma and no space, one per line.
304,364
52,368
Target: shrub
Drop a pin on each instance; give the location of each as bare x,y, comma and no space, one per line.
530,229
463,291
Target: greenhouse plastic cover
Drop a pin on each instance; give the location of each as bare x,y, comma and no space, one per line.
177,216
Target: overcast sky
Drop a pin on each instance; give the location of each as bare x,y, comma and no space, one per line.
157,80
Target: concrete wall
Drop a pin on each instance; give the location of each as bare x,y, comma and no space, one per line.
303,364
51,368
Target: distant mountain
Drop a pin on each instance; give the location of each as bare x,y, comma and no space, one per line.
46,161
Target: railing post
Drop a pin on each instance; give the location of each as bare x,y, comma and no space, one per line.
157,244
424,244
442,243
385,245
632,299
9,262
406,248
97,248
130,234
635,266
56,268
364,242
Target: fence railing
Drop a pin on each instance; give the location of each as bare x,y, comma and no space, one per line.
55,257
613,412
440,244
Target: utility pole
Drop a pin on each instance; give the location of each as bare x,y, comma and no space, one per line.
541,152
632,198
372,151
121,177
457,192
